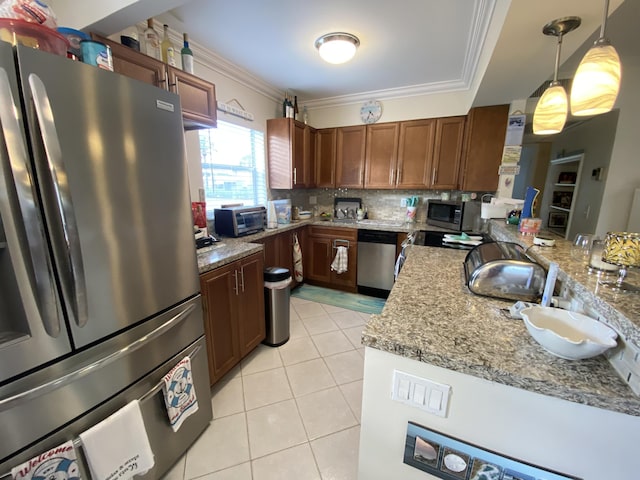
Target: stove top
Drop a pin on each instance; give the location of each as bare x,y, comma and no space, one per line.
432,238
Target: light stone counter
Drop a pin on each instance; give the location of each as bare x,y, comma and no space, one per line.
430,316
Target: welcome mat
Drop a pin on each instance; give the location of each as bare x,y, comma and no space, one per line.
350,301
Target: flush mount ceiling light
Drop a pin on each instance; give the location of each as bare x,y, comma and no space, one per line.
597,80
338,47
551,112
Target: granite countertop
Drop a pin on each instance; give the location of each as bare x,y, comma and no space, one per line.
431,316
619,310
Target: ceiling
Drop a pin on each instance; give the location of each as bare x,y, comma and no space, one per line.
408,47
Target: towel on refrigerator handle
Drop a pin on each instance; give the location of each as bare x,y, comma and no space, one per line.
179,393
297,259
59,462
118,447
341,261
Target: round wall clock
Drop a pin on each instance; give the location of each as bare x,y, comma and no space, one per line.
371,111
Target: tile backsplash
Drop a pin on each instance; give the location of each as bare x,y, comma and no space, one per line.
380,204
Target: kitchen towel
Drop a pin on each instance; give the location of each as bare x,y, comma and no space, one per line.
297,259
179,393
118,447
340,262
58,463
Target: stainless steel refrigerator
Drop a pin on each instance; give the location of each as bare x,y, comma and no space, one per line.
99,292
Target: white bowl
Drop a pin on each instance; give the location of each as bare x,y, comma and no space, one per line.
567,334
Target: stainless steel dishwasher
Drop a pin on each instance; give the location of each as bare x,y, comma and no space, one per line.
376,262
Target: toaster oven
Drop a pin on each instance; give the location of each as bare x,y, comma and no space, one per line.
239,221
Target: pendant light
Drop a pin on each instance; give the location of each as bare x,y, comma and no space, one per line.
597,80
338,47
551,111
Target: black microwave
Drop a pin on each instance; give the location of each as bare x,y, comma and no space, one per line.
239,221
455,215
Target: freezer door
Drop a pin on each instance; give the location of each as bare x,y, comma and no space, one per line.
110,164
42,403
32,329
167,446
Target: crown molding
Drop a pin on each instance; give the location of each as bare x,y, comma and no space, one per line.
483,13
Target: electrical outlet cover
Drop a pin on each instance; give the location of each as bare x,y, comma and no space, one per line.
403,202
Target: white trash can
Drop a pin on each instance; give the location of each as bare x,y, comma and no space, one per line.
277,282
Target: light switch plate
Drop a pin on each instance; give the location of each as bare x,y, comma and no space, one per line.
420,393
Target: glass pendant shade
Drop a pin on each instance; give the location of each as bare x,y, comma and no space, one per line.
337,48
551,112
597,81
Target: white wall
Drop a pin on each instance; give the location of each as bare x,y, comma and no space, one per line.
587,442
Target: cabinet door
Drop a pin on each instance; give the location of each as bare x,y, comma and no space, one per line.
130,63
347,280
319,259
350,156
381,155
197,98
484,142
251,323
415,153
270,252
448,152
279,161
326,157
310,139
218,289
300,173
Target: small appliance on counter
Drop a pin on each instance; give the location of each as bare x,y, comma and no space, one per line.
239,221
503,270
456,215
202,238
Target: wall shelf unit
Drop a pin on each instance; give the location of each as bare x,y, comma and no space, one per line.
563,179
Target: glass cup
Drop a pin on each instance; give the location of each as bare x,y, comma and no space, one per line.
581,247
596,264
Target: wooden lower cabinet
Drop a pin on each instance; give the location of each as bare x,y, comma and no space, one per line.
320,252
233,302
278,250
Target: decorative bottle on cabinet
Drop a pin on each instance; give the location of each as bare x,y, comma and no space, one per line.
151,41
187,55
168,52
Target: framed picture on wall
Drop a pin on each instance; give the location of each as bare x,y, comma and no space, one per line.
557,220
562,199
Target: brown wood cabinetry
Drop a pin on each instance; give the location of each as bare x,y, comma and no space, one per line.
278,250
415,153
483,145
350,151
320,252
197,96
290,153
447,152
326,157
381,157
233,302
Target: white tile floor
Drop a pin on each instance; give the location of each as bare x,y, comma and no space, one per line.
291,412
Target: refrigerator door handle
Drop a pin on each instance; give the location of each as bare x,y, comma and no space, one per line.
44,388
73,283
31,266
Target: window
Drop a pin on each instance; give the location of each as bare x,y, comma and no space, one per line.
233,166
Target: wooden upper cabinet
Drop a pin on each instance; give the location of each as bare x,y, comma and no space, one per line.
290,155
350,152
197,96
197,99
310,138
326,157
381,155
483,145
415,154
447,152
130,63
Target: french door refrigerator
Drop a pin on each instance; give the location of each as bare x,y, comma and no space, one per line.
99,289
